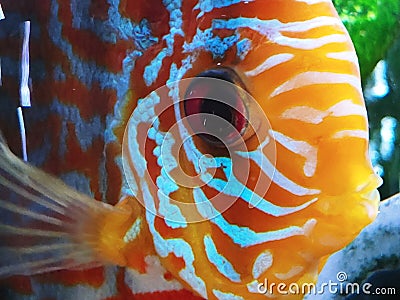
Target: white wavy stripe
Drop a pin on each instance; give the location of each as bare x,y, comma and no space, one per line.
143,113
234,188
262,263
347,108
310,44
219,261
349,56
308,114
172,214
269,63
301,148
362,134
152,70
273,26
273,29
275,175
165,159
302,26
179,247
244,236
313,77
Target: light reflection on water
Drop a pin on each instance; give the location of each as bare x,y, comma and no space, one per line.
382,94
388,137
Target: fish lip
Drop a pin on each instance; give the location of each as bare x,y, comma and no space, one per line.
371,202
373,182
370,194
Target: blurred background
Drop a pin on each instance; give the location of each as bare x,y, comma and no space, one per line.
374,26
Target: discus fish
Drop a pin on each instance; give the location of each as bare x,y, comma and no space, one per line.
240,132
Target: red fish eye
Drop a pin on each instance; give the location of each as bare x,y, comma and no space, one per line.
215,108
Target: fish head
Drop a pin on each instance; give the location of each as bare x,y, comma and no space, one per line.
250,154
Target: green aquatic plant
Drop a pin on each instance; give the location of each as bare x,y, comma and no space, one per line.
373,25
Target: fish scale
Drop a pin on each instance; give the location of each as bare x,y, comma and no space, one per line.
94,64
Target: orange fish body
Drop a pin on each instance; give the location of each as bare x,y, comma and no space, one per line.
278,181
302,71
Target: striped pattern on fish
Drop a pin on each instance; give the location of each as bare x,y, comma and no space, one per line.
94,64
318,38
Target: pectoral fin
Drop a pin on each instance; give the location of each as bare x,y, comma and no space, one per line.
46,225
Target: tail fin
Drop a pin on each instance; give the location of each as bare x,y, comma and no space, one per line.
46,225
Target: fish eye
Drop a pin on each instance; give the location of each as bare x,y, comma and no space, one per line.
217,110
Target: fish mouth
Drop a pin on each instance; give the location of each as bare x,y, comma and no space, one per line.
369,192
373,196
373,182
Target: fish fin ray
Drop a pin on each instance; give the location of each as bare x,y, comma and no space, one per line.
46,225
